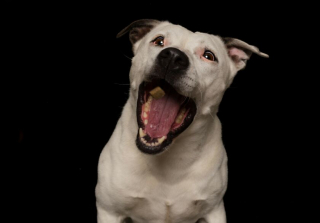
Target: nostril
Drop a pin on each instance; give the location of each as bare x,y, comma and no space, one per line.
181,61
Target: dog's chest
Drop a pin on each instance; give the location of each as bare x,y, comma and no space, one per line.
160,203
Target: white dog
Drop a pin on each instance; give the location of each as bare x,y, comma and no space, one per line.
165,161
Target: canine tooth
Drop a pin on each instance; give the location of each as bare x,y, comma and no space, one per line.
145,115
146,121
162,139
156,143
148,144
141,133
152,144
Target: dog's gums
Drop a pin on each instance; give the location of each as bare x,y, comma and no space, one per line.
160,120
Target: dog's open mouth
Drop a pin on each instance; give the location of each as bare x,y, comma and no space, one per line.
161,118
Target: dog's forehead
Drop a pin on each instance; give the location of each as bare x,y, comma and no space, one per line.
180,35
209,39
172,30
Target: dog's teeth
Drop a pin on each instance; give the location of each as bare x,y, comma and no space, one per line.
156,143
152,144
148,144
162,139
147,104
146,107
178,119
146,121
180,116
182,112
141,133
144,141
145,115
150,98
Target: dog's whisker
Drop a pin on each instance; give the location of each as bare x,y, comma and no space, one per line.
127,57
211,116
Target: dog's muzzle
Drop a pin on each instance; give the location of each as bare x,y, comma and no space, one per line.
160,120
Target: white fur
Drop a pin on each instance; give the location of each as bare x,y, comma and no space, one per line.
187,182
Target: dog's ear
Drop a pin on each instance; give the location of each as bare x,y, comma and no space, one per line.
138,29
240,51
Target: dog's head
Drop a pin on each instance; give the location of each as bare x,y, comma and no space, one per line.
177,74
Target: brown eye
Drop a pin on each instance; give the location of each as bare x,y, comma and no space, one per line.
159,41
209,55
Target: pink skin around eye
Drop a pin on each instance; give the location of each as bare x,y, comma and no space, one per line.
199,52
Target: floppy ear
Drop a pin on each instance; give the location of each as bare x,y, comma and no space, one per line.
240,52
138,29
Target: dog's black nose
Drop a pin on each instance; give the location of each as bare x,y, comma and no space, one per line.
173,59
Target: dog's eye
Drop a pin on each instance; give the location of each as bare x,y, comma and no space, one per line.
209,55
159,41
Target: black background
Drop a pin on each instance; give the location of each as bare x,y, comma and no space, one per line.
68,81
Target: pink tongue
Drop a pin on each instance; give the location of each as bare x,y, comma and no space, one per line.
163,113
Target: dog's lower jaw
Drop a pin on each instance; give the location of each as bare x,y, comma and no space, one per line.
188,149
